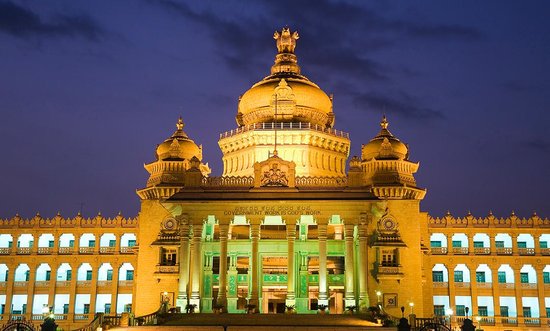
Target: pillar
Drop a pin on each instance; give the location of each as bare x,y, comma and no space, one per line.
290,289
473,289
222,292
114,286
540,288
496,291
196,266
254,283
363,263
52,282
93,287
183,255
9,286
72,295
452,289
349,265
323,289
30,289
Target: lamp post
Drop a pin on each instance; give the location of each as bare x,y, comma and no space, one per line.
411,304
478,319
49,321
378,294
449,313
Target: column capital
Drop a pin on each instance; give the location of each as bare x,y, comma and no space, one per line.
254,231
224,230
322,231
291,231
348,230
197,230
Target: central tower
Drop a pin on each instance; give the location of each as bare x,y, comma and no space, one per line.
287,115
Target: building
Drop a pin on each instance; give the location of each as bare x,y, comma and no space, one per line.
284,226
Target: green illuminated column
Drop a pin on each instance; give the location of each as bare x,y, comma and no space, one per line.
196,265
255,238
362,263
323,295
223,265
181,301
349,291
290,237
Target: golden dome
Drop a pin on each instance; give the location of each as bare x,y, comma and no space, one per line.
285,95
384,146
179,146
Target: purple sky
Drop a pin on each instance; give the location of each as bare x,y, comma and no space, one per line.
88,88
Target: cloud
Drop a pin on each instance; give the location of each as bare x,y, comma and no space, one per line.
23,23
402,105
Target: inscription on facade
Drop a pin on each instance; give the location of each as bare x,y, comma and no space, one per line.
273,210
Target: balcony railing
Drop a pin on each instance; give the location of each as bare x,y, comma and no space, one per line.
5,250
441,284
125,283
390,270
107,250
482,250
86,250
65,250
504,250
526,251
545,251
462,284
23,250
168,269
45,250
439,250
63,283
460,250
529,286
20,283
84,283
104,283
126,250
506,286
484,285
42,283
284,126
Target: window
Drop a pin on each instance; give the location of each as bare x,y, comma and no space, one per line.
66,308
459,276
526,311
91,243
110,274
69,274
480,276
168,256
482,311
71,243
524,277
86,308
522,244
389,259
439,310
435,243
27,274
502,277
2,309
546,277
543,244
50,243
112,243
504,311
48,274
88,274
131,243
478,244
24,311
129,274
460,310
128,308
499,244
107,308
437,276
547,312
457,243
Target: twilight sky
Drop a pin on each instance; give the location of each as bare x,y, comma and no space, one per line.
89,88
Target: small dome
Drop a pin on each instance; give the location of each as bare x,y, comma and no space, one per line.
179,146
384,146
286,92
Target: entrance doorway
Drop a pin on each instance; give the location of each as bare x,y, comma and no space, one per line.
274,299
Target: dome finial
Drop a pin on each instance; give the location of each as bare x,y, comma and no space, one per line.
286,42
384,123
180,124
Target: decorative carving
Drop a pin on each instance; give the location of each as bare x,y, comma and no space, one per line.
286,42
274,176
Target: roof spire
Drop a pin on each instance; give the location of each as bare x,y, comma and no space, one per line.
286,42
180,124
384,123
